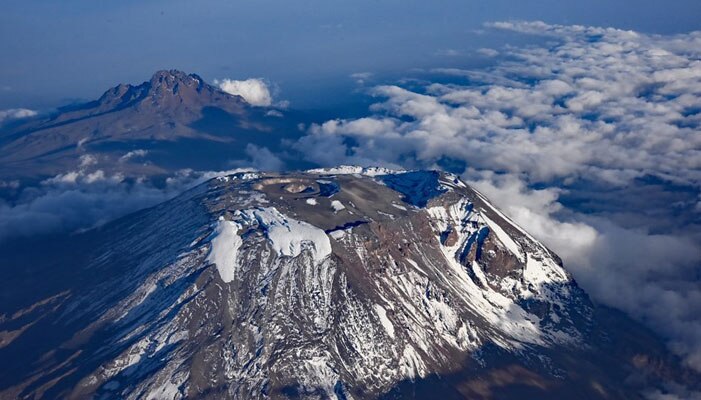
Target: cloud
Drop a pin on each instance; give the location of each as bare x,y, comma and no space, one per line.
361,77
88,196
672,392
563,31
487,52
82,199
260,159
274,113
601,103
139,153
75,201
255,90
448,53
12,184
16,113
568,137
263,159
87,160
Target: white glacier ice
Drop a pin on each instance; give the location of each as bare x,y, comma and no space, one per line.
386,323
337,206
225,248
289,236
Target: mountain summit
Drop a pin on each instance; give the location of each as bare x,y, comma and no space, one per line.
347,283
168,90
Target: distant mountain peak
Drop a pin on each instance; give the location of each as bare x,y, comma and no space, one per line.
172,80
165,88
172,74
170,91
168,106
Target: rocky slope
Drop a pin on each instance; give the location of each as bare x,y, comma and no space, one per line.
343,284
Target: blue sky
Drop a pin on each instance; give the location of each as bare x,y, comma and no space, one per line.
53,52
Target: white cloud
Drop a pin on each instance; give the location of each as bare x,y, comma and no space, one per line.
77,200
255,90
361,77
448,53
139,153
82,177
263,159
16,113
608,107
561,31
274,113
87,160
488,52
13,184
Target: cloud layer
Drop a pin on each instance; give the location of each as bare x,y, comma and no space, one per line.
614,107
87,197
595,113
254,91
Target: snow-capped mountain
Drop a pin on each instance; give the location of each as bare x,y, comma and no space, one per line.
344,283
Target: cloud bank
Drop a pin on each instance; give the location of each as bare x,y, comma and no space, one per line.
254,91
568,138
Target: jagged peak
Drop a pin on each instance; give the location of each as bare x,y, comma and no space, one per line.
164,87
170,78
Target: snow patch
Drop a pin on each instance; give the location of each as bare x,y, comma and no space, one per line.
543,272
225,249
504,238
337,206
386,323
289,236
411,365
320,374
354,170
339,234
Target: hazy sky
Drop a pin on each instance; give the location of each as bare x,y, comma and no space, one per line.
56,51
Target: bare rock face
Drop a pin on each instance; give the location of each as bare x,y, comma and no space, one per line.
331,284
